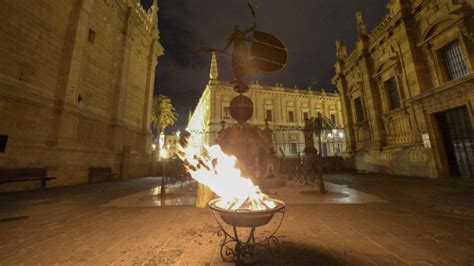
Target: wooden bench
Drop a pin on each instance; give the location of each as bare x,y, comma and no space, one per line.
100,172
24,175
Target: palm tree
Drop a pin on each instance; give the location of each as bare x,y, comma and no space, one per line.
163,115
320,124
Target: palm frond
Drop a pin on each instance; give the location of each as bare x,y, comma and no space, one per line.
164,114
321,123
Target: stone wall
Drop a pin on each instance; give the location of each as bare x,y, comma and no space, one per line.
405,47
76,84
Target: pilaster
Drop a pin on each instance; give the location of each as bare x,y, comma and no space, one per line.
155,51
67,85
120,93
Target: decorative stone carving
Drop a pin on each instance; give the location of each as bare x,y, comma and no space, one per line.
467,32
341,51
361,28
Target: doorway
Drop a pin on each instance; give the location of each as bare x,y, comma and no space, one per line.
458,138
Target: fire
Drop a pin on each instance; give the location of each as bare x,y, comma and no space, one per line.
218,171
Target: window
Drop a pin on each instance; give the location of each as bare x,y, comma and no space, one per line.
91,36
3,143
454,62
226,112
268,115
293,148
291,116
333,119
392,94
359,109
305,116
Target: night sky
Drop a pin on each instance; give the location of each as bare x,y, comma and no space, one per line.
308,28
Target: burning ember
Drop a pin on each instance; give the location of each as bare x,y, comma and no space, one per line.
218,171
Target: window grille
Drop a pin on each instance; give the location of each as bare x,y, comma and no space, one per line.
269,115
305,116
333,118
294,148
359,109
454,60
291,116
392,93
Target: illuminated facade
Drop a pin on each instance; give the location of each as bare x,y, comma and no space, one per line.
408,90
76,85
285,110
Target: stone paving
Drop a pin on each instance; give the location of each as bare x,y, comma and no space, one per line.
363,220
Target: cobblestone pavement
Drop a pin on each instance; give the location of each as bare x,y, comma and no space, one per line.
363,220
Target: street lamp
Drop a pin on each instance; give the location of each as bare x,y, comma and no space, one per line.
338,139
164,154
336,135
341,134
163,158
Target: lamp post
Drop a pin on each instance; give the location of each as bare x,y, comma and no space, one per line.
336,135
163,159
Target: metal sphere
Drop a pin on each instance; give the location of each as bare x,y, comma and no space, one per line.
241,108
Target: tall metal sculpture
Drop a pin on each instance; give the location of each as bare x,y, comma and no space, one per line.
267,53
254,51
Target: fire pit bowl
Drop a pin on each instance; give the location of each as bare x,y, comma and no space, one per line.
244,217
239,248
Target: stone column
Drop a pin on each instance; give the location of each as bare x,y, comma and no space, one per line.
372,100
347,116
155,51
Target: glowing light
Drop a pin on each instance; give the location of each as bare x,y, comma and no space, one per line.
164,153
153,146
341,134
162,140
218,171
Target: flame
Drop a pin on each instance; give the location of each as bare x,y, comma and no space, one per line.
219,172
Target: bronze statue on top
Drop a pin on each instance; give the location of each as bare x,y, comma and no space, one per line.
245,141
267,53
240,58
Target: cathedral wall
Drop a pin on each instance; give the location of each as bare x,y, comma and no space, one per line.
63,93
102,55
31,45
136,89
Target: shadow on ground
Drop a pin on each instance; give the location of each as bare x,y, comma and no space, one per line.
289,253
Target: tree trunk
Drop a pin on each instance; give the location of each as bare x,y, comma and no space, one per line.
319,170
158,144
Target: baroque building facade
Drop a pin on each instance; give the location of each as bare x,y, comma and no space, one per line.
76,85
283,110
407,90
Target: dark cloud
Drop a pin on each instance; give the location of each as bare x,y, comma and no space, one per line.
309,29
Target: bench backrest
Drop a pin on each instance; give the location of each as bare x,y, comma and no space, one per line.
23,172
94,171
